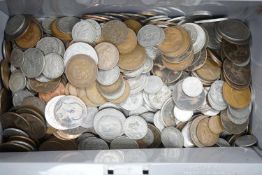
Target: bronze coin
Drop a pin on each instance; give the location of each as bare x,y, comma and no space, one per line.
60,90
205,135
31,110
30,37
240,76
94,95
40,87
180,58
129,44
124,96
215,125
81,93
133,60
59,34
35,102
13,147
5,100
5,72
81,71
23,139
111,89
38,126
199,60
135,25
231,84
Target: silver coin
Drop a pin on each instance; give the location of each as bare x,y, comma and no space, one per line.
240,113
212,42
148,116
158,99
19,96
148,65
42,79
36,102
69,111
109,157
192,86
17,81
123,142
16,25
46,24
133,102
34,63
83,136
84,31
93,143
17,57
97,27
246,141
117,94
188,143
216,95
152,52
137,84
150,35
88,120
61,50
135,127
158,122
109,105
172,138
147,103
167,114
9,132
153,85
66,24
237,120
147,140
182,115
48,45
54,66
108,77
222,143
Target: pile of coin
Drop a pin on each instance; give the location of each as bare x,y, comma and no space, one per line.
124,81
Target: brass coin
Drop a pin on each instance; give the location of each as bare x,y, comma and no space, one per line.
115,87
236,98
5,100
81,93
205,135
5,72
30,37
50,130
72,89
81,71
180,58
129,44
133,24
59,34
215,125
124,96
193,130
44,87
210,71
133,60
94,95
60,90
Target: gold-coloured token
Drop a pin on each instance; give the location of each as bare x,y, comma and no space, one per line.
133,24
129,44
94,95
215,124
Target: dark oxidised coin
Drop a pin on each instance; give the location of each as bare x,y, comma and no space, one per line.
44,87
5,100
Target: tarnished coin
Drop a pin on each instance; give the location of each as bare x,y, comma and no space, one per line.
5,72
94,95
17,81
185,102
199,60
42,79
58,33
16,25
135,127
129,44
46,24
212,42
236,119
19,96
108,55
80,48
188,143
147,140
34,63
215,96
48,45
215,57
193,130
84,31
9,132
246,141
133,102
77,72
153,85
236,98
229,126
158,99
133,24
88,120
215,124
66,24
205,135
97,27
69,111
123,142
182,115
124,96
5,100
167,114
172,138
241,114
133,60
108,77
192,86
43,87
54,66
17,57
93,143
114,31
35,102
150,35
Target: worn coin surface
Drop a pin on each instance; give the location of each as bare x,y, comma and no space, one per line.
5,72
108,55
246,141
182,115
123,142
129,44
212,42
199,60
17,57
66,24
158,99
215,125
216,96
17,81
108,77
133,102
135,127
150,35
88,120
43,87
193,130
188,143
167,114
172,138
192,86
16,25
34,63
240,113
153,85
236,119
93,143
84,31
46,24
35,102
19,96
94,95
133,24
48,45
54,66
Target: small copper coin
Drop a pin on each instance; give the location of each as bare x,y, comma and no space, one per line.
205,135
236,98
5,72
215,125
124,96
5,100
60,90
81,71
94,95
133,60
30,37
133,24
129,44
44,87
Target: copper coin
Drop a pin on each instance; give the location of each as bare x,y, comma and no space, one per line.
215,125
31,110
133,24
60,90
129,44
13,147
5,72
81,71
81,93
5,100
205,135
30,37
237,75
124,96
179,59
44,87
133,60
94,95
210,71
236,98
59,34
35,102
193,130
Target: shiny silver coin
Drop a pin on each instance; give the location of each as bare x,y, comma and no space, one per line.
54,66
158,99
19,96
137,84
246,141
123,142
108,77
133,102
93,143
167,114
215,96
17,57
66,24
46,24
48,45
34,63
235,119
240,113
135,127
97,27
153,85
188,143
172,138
148,116
17,81
9,132
88,120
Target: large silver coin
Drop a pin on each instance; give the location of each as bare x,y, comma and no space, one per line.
172,138
246,141
182,115
185,102
17,81
88,120
216,95
93,143
108,77
69,111
135,127
66,24
188,143
84,31
133,102
153,85
158,99
48,45
123,142
34,63
192,86
235,119
150,35
97,27
17,57
54,66
167,114
19,96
